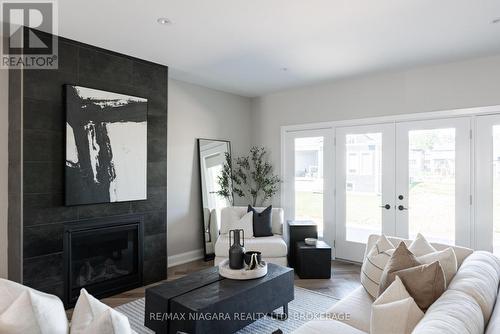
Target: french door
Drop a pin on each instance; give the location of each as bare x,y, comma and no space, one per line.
401,179
488,183
364,187
433,180
307,192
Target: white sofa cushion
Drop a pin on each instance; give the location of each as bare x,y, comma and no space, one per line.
26,311
374,263
273,246
454,312
235,213
33,313
494,324
325,327
446,258
355,309
90,316
395,311
245,223
479,277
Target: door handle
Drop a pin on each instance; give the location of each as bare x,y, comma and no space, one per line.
387,206
401,208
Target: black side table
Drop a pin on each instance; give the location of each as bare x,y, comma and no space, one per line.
297,231
313,261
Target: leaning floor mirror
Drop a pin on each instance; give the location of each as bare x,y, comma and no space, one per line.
212,155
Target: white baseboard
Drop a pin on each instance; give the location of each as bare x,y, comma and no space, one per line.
186,257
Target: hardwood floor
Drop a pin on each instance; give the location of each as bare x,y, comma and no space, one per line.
345,278
173,274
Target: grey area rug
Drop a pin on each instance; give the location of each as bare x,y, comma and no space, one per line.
306,306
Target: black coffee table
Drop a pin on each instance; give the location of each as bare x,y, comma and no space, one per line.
205,302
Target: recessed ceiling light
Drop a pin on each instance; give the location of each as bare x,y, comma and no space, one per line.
495,21
164,20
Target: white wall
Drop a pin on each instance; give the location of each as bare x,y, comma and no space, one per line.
4,159
197,112
471,83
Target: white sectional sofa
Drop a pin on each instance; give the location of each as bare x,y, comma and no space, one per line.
469,305
273,249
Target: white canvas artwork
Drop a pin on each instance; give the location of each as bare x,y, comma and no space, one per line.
106,146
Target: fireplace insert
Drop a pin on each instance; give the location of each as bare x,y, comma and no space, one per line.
104,256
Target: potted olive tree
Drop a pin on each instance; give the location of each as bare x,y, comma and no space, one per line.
250,177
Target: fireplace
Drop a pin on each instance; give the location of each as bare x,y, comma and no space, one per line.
104,256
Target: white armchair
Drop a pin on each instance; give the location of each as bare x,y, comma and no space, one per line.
273,248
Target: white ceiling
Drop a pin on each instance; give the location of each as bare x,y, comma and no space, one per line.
241,46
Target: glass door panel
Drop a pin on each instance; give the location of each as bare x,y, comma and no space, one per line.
307,188
433,181
496,189
309,180
431,184
365,187
488,183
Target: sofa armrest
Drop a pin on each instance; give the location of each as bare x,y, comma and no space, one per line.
278,219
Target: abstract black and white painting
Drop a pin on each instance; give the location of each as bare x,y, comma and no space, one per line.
106,146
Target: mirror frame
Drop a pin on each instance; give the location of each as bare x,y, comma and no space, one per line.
210,256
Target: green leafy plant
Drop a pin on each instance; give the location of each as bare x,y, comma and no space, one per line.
225,180
249,177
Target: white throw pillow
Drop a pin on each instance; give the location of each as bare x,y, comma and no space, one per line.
420,246
90,316
374,263
245,223
395,311
446,258
26,311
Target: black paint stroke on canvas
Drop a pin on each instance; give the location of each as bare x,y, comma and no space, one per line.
88,179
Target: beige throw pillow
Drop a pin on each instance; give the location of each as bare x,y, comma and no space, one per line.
395,311
401,259
374,264
420,246
446,258
425,283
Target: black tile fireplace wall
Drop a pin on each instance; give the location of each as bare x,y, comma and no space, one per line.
43,159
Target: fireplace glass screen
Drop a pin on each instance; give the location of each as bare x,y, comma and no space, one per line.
102,259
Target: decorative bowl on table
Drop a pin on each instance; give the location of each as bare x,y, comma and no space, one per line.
248,257
310,241
242,274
